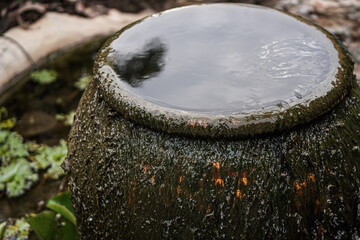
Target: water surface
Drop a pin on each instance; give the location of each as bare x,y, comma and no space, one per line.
223,58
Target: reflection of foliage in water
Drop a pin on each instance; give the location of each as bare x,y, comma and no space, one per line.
137,67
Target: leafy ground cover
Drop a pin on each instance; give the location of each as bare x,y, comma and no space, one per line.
33,127
21,164
22,161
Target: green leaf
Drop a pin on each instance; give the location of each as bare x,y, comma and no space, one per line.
68,231
10,171
3,135
2,229
49,225
18,177
67,119
8,123
19,231
63,199
62,204
82,82
51,158
44,76
63,211
44,224
12,146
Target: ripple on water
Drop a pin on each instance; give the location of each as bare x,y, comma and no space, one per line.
223,58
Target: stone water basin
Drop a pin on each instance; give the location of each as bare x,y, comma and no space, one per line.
222,121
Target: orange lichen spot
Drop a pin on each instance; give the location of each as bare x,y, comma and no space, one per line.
178,187
152,179
216,175
238,193
177,191
299,185
216,165
219,182
231,174
311,177
244,179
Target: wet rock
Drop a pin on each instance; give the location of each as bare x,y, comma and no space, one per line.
35,123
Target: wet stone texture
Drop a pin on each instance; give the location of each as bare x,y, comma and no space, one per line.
130,180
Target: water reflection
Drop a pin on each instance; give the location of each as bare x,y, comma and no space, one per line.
224,58
148,62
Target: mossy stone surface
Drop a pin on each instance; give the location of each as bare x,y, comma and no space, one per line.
129,182
136,173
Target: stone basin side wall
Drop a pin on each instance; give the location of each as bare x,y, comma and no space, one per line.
129,182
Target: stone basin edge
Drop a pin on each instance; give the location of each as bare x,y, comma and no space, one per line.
227,126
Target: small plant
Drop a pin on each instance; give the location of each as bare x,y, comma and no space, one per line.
57,223
2,229
19,229
82,82
67,119
21,161
16,173
6,123
50,158
44,76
